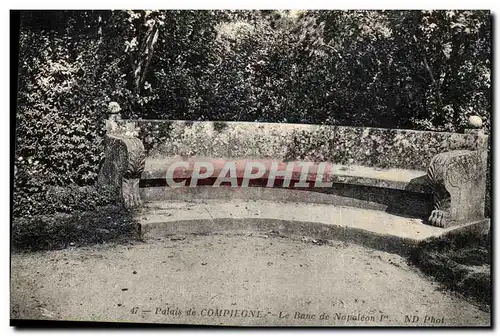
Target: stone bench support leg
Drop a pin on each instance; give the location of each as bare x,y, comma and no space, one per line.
122,167
458,180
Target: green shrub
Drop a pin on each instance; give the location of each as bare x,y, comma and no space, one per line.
47,200
454,262
58,231
65,85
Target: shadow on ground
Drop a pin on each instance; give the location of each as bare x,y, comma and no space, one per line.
104,224
461,263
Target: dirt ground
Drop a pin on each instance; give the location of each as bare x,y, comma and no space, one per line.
222,279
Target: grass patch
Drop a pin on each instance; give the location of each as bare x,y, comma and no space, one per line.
111,223
461,263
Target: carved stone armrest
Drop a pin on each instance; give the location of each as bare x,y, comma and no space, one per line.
122,167
458,180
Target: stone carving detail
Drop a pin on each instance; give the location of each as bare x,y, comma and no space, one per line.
458,181
132,175
122,167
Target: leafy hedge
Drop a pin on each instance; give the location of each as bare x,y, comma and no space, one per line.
462,263
57,231
53,199
65,85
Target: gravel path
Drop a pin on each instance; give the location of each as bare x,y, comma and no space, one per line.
247,279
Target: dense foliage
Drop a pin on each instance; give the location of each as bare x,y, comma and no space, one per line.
410,69
105,224
462,263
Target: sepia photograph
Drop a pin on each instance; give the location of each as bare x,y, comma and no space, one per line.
251,168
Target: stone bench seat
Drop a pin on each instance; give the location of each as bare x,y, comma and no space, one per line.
155,172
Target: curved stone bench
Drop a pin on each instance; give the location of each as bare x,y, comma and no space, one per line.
436,178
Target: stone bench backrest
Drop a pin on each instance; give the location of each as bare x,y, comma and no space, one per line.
373,147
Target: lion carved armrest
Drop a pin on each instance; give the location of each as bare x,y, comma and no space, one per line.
122,167
458,181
